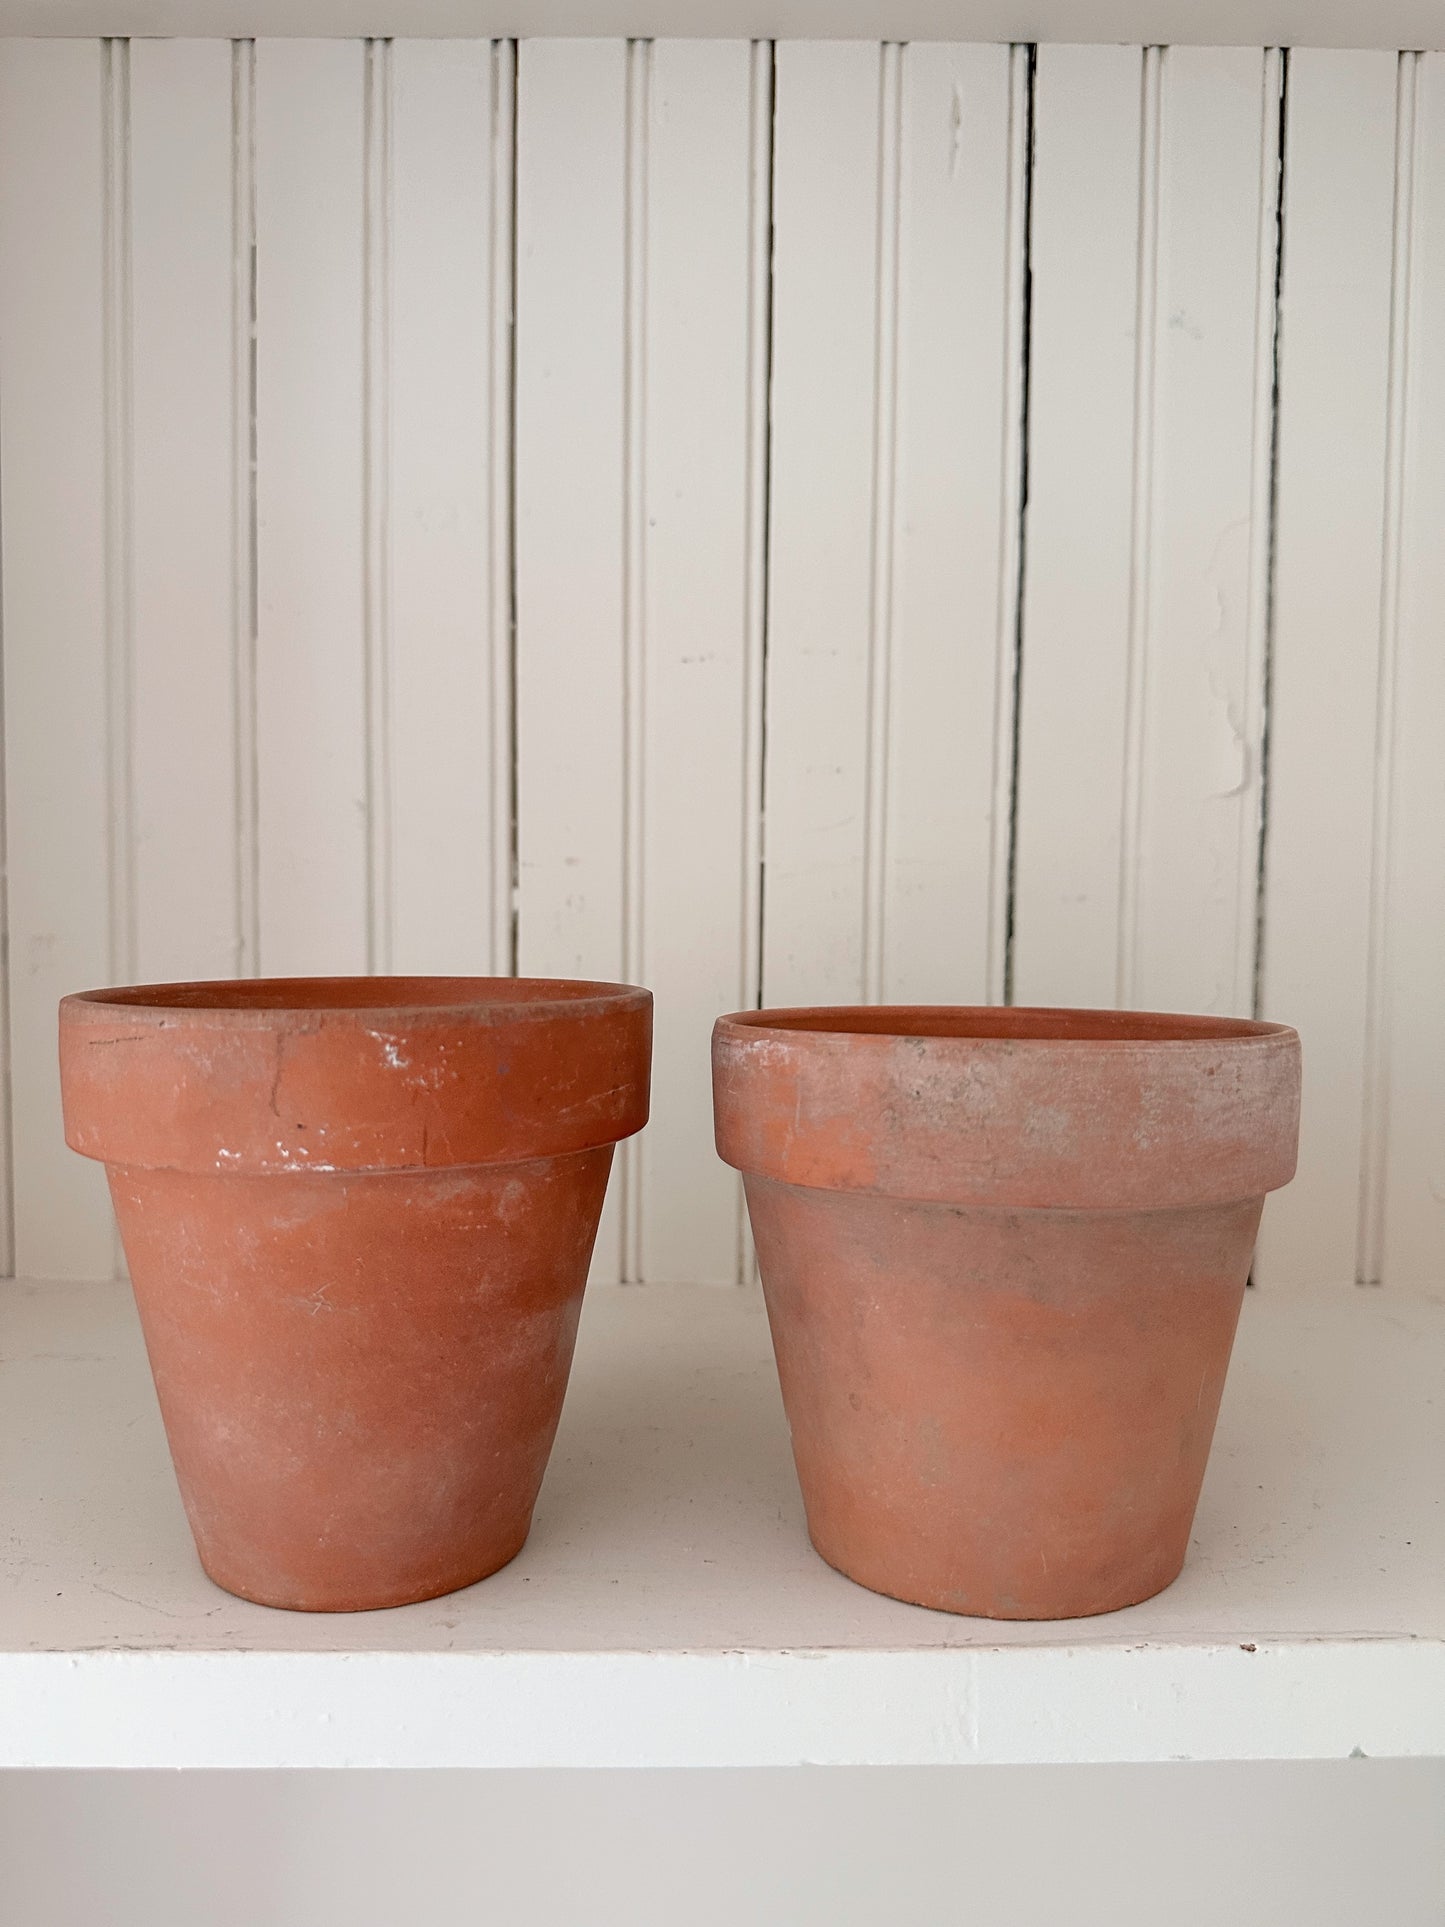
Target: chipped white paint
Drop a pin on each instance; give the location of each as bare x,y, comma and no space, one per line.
1191,861
772,345
1144,647
1339,217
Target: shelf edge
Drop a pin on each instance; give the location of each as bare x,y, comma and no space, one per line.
1293,1699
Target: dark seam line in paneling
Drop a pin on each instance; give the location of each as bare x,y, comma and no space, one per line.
1010,914
758,459
1271,567
514,929
1271,555
1141,519
1007,583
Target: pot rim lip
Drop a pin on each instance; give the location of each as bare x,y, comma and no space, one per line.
204,1001
1107,1030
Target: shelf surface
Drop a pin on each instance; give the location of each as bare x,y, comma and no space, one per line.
668,1609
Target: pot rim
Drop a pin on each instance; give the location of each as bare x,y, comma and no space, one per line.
261,1077
1021,1107
268,1002
1051,1026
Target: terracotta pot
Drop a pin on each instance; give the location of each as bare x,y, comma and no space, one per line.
358,1214
1004,1253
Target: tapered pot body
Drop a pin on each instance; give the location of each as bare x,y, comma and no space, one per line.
357,1215
1004,1254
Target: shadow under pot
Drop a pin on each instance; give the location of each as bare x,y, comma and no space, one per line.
358,1214
1004,1253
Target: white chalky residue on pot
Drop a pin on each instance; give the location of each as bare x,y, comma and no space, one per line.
390,1050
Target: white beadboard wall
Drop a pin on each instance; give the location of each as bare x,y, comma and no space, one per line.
811,521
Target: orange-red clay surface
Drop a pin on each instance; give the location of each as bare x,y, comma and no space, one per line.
1004,1253
358,1215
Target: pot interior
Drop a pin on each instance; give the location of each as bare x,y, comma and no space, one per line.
241,997
1015,1023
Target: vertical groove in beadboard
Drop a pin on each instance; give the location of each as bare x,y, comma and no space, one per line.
634,587
1009,705
761,111
759,427
502,544
884,492
755,611
1013,489
119,641
1267,568
1375,1134
1265,415
1131,822
118,475
243,498
376,469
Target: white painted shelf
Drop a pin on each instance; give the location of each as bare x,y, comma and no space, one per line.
669,1611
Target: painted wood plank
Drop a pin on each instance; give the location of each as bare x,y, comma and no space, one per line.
186,577
821,759
1143,666
952,614
311,655
1411,1151
571,465
572,586
57,610
1191,849
704,371
1083,377
446,635
1335,352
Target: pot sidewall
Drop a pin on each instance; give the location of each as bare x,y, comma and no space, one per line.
360,1375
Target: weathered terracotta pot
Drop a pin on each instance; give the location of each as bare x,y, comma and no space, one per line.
358,1214
1004,1253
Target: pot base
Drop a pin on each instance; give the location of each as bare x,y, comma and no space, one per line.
965,1606
284,1599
